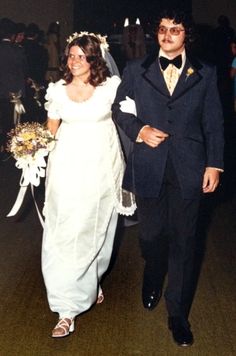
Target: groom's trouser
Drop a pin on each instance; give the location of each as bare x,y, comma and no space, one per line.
170,221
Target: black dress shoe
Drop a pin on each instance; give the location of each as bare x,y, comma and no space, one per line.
152,287
151,298
181,332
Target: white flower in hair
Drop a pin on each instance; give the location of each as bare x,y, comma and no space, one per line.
102,39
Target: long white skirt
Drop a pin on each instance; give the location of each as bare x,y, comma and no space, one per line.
71,288
80,221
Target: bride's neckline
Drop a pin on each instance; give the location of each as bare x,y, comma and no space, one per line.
80,85
86,85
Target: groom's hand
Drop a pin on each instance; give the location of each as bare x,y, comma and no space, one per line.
152,136
210,180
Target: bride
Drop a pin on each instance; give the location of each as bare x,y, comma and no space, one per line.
83,185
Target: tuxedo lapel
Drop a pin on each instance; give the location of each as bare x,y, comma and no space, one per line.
153,75
189,77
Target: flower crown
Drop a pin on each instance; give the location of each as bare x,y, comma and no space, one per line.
102,39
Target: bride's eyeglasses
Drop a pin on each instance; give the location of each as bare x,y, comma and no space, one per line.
175,31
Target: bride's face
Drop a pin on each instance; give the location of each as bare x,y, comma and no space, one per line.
77,63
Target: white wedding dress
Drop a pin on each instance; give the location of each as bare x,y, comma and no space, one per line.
83,197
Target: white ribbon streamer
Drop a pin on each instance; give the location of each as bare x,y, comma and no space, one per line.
18,107
37,89
18,202
33,168
36,206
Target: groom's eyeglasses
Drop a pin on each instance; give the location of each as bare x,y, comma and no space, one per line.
175,31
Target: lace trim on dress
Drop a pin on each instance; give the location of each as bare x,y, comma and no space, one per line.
124,200
126,204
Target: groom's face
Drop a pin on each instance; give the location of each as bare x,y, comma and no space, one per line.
171,37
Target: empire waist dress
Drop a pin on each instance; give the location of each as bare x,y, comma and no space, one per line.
83,197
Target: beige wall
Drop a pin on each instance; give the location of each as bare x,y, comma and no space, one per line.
207,11
42,12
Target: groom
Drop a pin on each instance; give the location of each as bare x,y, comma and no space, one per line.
178,155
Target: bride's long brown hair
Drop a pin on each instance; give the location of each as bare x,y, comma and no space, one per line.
90,45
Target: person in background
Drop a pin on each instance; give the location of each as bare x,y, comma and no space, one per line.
177,131
37,58
13,72
20,34
36,54
83,185
53,47
223,35
133,40
233,70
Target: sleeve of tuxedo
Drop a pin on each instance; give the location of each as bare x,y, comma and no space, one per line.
128,122
212,121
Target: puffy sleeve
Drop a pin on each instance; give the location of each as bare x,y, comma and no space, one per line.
114,83
52,104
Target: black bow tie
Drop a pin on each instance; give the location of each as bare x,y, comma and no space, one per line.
164,62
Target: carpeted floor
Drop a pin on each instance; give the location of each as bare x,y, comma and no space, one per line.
120,326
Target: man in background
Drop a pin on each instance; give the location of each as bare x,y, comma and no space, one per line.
13,72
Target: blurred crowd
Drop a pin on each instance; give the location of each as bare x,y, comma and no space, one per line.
216,45
29,60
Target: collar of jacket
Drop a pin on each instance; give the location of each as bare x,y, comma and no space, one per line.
150,59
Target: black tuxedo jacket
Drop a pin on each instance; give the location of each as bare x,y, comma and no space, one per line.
192,117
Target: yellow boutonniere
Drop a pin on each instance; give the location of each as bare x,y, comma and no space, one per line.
190,71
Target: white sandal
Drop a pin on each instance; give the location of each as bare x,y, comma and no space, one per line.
64,327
